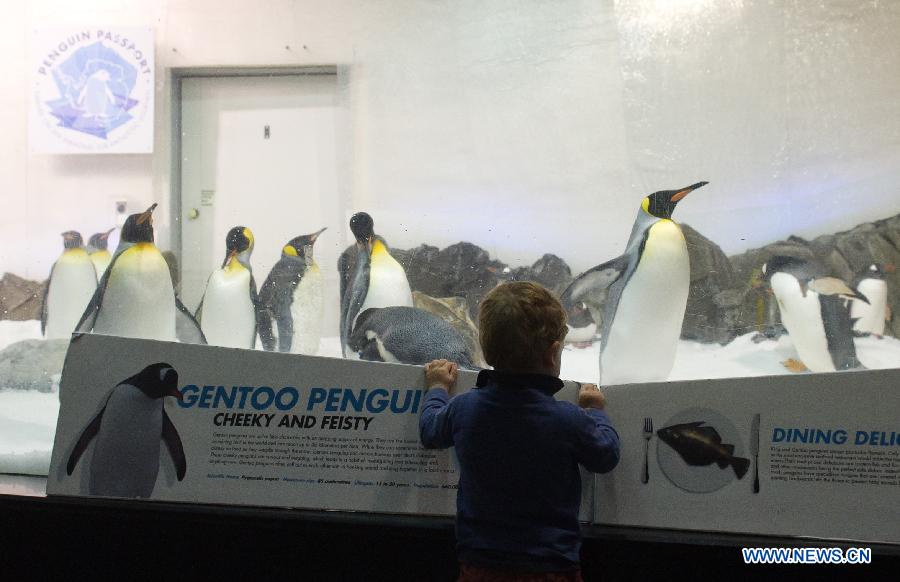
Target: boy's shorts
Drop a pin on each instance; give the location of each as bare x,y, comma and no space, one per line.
469,573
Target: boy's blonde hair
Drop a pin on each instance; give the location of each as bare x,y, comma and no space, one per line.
517,322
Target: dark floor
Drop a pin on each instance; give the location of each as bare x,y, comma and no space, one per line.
71,540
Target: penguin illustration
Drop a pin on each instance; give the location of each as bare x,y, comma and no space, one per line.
69,290
407,335
646,294
97,249
582,329
814,313
127,433
96,98
135,296
228,309
292,298
376,278
869,318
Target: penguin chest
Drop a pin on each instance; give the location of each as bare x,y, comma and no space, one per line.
101,260
647,322
139,300
870,317
388,285
71,287
802,318
125,462
229,317
306,312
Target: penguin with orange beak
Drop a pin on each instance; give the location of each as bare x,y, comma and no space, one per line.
646,294
228,310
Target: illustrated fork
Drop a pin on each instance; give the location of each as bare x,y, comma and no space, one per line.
648,434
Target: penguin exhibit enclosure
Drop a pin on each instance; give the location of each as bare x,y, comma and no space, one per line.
712,189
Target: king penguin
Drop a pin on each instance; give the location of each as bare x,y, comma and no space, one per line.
69,290
869,318
292,298
135,296
814,313
646,294
97,249
375,278
228,310
407,335
128,431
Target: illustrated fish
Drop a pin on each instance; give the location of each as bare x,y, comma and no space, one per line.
701,445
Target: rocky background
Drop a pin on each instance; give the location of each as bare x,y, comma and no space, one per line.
726,298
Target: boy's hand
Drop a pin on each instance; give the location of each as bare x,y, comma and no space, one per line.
441,374
589,396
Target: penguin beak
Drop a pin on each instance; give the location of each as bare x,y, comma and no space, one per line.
106,234
147,214
685,191
315,235
176,393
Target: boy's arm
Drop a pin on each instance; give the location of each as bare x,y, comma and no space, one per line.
435,429
597,441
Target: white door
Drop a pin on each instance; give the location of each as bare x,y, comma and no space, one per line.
259,152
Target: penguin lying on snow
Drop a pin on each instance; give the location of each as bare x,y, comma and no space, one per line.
377,279
407,335
97,249
70,288
291,297
228,310
647,290
135,296
128,431
869,318
814,312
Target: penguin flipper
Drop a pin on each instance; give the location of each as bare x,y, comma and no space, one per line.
265,304
354,297
187,330
89,317
254,300
89,432
44,306
198,314
835,286
594,281
285,331
174,445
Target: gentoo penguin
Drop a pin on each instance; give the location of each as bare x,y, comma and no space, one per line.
814,313
135,296
96,248
376,280
646,294
407,335
869,318
70,288
291,296
581,324
128,431
228,309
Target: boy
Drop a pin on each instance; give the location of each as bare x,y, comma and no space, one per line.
518,448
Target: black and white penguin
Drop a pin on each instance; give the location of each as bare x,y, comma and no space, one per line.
70,288
228,310
291,297
869,318
407,335
127,432
582,329
814,313
135,296
97,249
646,292
375,278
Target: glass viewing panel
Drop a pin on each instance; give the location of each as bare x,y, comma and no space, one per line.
355,170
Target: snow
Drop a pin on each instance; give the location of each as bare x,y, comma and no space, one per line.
28,418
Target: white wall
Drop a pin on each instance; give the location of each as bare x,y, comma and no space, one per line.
525,127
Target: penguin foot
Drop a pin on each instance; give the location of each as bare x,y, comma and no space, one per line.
795,366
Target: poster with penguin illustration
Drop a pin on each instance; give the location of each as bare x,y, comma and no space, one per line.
812,455
144,419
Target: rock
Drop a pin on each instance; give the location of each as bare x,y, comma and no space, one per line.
33,364
454,311
550,271
20,299
709,309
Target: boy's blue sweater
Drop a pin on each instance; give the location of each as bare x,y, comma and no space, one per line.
519,484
